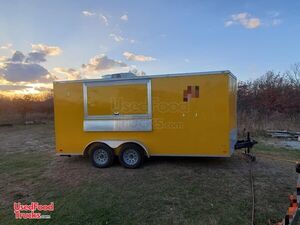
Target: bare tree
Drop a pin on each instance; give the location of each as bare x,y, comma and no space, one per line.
293,75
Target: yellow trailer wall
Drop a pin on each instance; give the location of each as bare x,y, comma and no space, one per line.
203,126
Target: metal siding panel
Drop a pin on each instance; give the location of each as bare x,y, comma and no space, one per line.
118,125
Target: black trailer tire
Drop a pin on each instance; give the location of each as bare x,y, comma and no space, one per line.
102,156
131,156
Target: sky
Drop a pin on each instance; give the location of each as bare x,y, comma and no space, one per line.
42,41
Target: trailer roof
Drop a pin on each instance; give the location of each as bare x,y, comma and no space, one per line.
152,76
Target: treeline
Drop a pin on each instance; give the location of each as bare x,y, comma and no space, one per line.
26,108
271,101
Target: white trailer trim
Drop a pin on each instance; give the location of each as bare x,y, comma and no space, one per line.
151,77
115,144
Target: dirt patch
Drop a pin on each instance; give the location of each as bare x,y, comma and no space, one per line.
27,138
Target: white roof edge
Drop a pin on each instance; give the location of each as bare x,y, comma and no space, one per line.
151,76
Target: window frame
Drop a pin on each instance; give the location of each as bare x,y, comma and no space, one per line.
86,85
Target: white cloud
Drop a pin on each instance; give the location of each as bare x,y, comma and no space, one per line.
229,23
276,22
252,23
103,48
88,13
46,49
104,19
6,46
102,64
273,13
132,41
96,67
36,57
17,57
13,87
136,71
244,19
187,60
38,54
140,58
3,58
274,19
116,37
21,67
124,17
18,71
68,74
42,89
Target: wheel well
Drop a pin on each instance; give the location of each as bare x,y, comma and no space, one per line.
137,144
114,147
90,146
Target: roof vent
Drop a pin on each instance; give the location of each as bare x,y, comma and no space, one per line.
119,75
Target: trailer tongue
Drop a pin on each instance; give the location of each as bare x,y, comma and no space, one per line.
246,144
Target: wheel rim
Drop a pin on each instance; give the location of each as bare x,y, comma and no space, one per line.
101,156
130,157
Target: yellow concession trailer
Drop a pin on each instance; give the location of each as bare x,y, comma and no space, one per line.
191,114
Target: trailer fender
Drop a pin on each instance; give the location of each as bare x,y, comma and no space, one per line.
114,144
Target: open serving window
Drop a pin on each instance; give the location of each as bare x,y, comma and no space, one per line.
117,105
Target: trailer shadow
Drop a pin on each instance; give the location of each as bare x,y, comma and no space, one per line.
157,161
161,161
192,161
63,169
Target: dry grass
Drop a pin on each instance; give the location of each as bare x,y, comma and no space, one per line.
165,191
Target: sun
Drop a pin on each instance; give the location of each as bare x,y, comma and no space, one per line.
27,91
25,88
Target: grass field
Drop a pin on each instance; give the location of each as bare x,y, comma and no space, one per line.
165,191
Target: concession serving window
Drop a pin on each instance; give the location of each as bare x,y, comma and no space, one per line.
122,105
